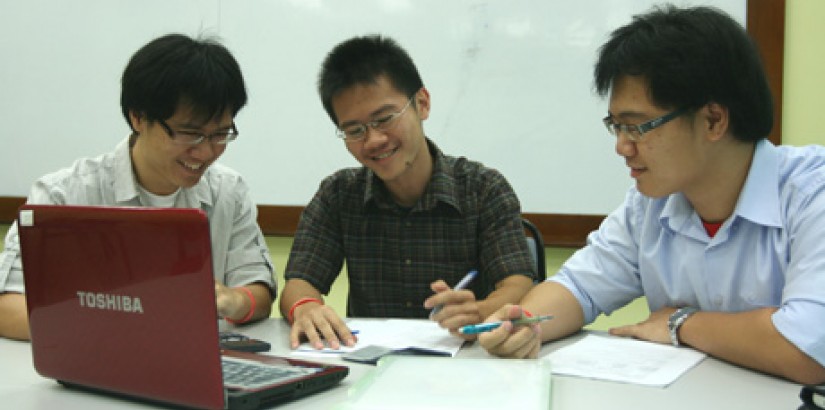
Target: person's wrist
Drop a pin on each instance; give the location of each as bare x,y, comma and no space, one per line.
290,316
252,305
675,322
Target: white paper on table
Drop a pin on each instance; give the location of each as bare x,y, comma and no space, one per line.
624,360
393,334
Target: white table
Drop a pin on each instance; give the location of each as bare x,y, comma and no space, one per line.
712,384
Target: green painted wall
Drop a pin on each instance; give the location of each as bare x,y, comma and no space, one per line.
804,73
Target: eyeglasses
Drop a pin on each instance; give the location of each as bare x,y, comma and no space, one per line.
635,133
195,137
356,132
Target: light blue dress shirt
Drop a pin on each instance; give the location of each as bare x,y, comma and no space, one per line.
770,252
239,251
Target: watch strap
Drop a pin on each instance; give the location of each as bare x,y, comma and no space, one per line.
676,320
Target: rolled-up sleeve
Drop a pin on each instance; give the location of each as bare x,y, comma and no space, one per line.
800,316
11,269
236,234
603,276
11,265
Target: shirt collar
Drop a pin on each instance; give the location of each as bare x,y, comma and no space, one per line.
676,212
758,202
441,188
199,196
124,183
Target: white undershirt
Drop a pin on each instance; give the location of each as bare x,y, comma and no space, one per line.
158,201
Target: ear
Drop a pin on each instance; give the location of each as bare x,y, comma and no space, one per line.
717,120
422,103
136,120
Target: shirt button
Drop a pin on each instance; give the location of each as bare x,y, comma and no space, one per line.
409,304
408,262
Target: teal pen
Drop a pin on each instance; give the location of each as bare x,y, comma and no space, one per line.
460,285
486,327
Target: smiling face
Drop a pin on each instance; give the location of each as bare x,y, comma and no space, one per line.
161,165
668,159
399,154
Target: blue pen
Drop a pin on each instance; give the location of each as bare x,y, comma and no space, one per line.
486,327
460,285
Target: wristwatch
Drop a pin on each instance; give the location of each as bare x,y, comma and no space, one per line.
676,320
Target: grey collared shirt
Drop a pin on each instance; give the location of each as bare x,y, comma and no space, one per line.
239,252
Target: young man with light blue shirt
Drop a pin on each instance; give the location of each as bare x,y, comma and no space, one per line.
722,232
179,96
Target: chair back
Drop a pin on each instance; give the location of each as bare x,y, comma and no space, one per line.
536,244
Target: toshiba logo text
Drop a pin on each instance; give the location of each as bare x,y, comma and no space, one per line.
107,301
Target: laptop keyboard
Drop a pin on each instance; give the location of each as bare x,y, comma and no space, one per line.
247,374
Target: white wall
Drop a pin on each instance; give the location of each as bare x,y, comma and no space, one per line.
510,83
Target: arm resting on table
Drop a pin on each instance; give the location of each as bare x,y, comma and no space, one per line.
750,339
294,290
14,320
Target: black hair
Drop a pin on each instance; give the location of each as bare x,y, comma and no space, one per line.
690,57
362,60
176,69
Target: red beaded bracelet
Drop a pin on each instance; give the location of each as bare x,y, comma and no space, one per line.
301,301
252,305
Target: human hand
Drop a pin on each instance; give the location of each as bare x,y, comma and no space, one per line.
231,302
517,342
317,322
458,308
653,329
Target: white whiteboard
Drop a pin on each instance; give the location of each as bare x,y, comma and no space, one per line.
510,81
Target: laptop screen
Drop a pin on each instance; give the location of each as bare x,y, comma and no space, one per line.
122,299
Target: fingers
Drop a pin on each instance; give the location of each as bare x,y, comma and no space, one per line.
653,329
439,286
454,316
300,328
459,308
449,297
509,341
506,341
513,312
534,352
318,325
623,331
460,335
491,341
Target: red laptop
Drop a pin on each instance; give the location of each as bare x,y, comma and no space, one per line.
122,300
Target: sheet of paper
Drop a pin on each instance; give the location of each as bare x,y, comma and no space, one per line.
394,334
624,360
